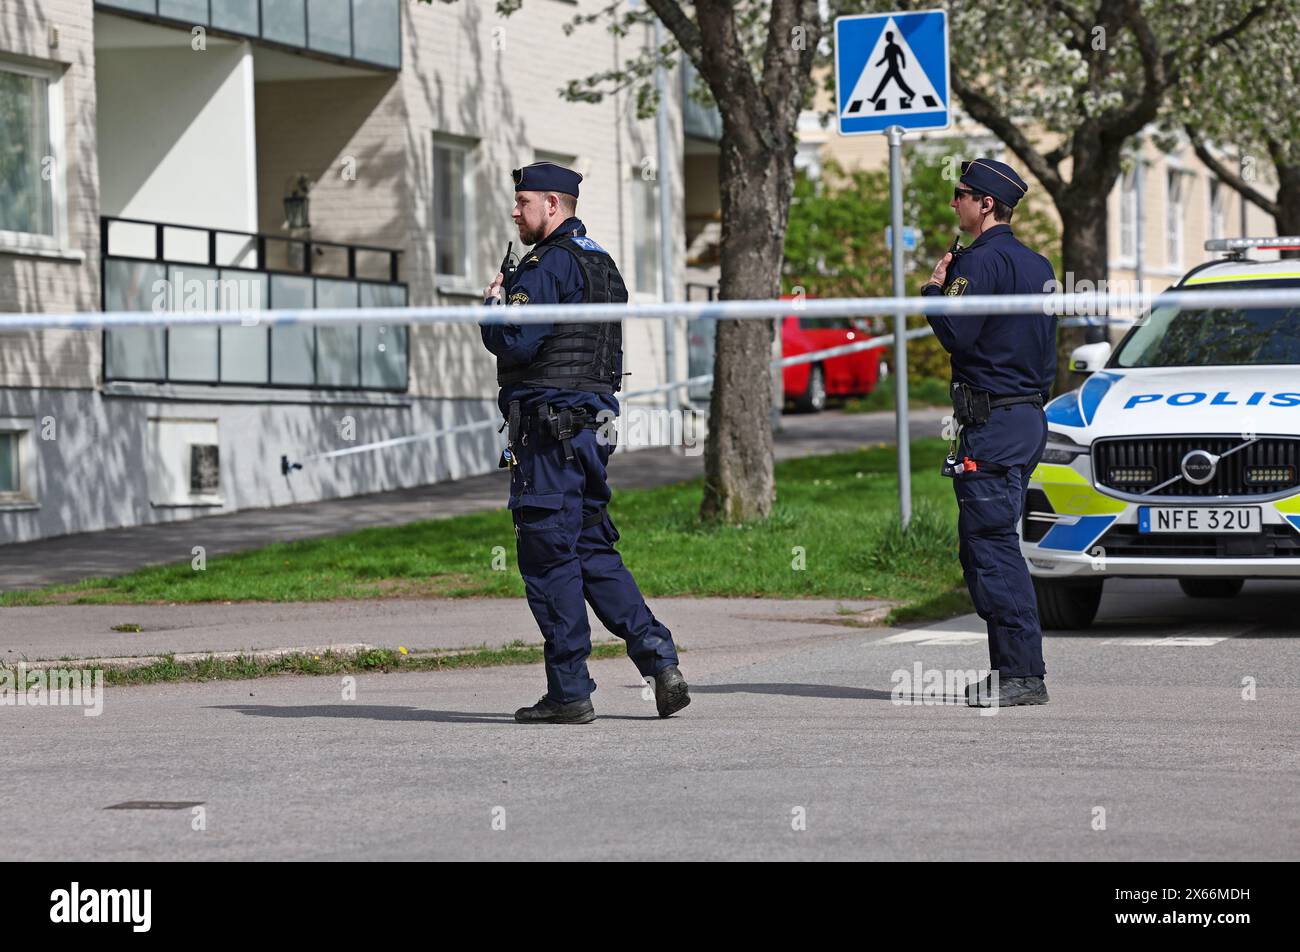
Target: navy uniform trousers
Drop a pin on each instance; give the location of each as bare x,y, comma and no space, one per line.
991,505
565,564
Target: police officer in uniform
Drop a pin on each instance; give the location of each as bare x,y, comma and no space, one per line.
1003,366
555,380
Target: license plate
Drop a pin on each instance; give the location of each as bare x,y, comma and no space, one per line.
1206,519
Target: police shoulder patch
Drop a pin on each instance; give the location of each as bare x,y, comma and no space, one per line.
519,297
957,287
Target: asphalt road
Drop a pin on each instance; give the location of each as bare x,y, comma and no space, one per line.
1155,746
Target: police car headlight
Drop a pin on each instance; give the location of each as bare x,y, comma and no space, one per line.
1061,449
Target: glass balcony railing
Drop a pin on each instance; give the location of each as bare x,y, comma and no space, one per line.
152,266
361,31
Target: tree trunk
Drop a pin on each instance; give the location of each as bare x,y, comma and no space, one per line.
756,186
1084,257
1287,217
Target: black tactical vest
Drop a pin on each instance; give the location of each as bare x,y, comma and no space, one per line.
586,356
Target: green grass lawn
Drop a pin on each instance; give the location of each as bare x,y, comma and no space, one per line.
836,516
926,392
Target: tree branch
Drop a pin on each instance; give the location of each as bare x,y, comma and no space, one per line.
1225,174
1080,41
1174,72
671,14
725,68
982,110
1161,72
786,69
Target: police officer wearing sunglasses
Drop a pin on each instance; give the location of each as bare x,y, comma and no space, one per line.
557,393
1003,366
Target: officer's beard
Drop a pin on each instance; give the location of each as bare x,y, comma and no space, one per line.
530,236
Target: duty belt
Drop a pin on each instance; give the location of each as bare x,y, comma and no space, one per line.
561,425
1035,398
972,406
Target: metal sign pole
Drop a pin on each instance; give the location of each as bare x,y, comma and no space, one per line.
895,134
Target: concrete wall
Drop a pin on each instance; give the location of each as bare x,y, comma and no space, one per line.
92,474
57,32
347,135
176,138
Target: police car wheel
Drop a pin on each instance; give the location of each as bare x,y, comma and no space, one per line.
1067,605
1210,587
813,400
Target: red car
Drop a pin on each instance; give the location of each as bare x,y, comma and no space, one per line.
851,375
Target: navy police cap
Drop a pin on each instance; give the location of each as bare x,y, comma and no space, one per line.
546,177
994,178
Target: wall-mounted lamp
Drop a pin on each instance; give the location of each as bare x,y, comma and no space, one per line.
296,203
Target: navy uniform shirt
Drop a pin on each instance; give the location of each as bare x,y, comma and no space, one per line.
1006,354
555,279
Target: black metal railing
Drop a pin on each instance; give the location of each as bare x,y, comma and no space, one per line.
358,31
161,267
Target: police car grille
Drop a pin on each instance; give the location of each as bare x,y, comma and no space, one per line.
1273,542
1165,454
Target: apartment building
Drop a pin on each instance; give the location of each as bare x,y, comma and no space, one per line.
180,154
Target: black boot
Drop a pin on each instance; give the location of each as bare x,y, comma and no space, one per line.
671,691
1009,693
547,711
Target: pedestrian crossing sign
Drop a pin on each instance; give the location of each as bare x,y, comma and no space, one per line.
891,69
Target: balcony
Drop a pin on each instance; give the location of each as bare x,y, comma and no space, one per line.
367,32
163,267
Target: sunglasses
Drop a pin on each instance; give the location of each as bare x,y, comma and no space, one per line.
957,193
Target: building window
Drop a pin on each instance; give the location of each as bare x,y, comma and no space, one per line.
1128,216
31,158
17,480
645,230
1218,209
453,198
1175,215
10,484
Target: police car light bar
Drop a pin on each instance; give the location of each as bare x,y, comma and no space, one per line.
1238,245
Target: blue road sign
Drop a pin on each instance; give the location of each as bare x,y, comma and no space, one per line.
891,69
909,238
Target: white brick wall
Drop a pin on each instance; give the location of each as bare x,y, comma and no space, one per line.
465,73
27,283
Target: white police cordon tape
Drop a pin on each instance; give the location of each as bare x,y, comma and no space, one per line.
1068,305
871,343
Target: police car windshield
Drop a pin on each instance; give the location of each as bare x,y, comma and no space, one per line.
1205,337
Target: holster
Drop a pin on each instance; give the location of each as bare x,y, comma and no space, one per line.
970,405
563,425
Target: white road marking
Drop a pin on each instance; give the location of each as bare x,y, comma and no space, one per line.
1177,641
927,636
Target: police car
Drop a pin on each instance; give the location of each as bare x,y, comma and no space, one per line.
1179,456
